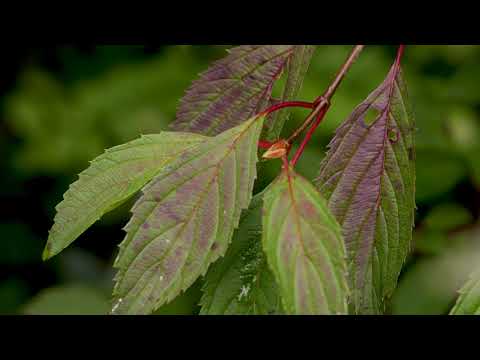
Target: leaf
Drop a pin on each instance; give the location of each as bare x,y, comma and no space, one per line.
430,283
68,300
100,108
368,177
232,90
431,242
447,217
184,304
241,283
304,247
468,303
297,69
447,168
185,219
110,180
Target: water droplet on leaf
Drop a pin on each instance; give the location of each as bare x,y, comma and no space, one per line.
117,304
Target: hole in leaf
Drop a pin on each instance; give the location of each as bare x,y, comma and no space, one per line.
371,115
392,135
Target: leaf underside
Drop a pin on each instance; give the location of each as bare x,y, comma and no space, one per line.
304,247
111,179
368,177
241,283
297,68
232,90
468,303
185,219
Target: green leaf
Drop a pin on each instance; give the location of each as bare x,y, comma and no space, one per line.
297,69
73,123
368,177
430,242
110,180
185,219
468,303
304,247
184,304
438,172
447,217
430,283
68,300
241,283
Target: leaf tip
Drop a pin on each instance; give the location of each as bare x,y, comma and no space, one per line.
46,253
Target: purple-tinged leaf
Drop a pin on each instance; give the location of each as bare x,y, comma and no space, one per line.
304,247
111,179
297,68
185,219
232,90
368,177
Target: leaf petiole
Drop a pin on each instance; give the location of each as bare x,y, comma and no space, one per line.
308,136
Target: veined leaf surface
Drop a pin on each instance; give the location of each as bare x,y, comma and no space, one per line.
468,303
185,219
241,283
232,90
110,180
304,247
297,68
368,177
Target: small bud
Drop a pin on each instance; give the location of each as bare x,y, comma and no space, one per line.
277,150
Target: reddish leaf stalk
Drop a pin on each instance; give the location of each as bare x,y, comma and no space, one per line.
320,106
263,144
308,136
323,101
282,105
285,162
400,52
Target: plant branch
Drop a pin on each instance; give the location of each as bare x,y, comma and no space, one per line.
400,52
308,136
286,104
323,101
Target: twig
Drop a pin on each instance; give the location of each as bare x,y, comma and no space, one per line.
308,136
323,101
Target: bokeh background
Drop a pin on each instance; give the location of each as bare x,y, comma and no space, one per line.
61,107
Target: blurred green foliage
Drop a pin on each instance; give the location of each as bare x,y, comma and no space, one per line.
67,300
56,120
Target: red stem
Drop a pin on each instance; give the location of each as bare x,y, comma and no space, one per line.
263,144
285,161
395,69
324,100
285,104
401,50
308,136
